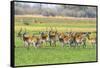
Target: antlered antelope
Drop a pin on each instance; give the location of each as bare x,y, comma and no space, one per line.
52,36
44,37
80,38
92,40
64,38
34,40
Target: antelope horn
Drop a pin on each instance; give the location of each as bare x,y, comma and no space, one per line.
56,29
20,30
25,30
50,28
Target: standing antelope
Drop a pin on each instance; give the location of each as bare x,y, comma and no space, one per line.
28,40
52,37
63,38
92,39
44,37
80,38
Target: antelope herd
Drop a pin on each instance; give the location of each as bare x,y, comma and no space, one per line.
51,37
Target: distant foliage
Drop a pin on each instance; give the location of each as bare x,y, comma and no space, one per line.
56,10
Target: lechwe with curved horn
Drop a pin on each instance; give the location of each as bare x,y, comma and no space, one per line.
44,36
52,37
31,40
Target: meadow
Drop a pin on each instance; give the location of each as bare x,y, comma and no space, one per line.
53,55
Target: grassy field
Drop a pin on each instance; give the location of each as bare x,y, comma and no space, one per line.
58,54
50,55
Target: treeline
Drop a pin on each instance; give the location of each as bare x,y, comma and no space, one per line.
54,10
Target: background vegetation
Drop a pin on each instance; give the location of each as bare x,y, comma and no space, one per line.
54,10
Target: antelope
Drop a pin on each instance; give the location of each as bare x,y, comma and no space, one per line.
66,38
92,40
63,38
52,36
44,37
28,40
80,38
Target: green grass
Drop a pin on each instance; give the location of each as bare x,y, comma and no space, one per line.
51,55
60,24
